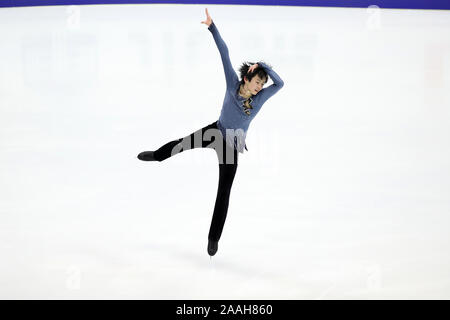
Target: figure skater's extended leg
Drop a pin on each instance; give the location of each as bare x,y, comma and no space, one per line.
194,140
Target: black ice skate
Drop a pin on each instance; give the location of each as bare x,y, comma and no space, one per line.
212,247
146,156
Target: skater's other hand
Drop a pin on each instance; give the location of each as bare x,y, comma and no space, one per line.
208,20
253,67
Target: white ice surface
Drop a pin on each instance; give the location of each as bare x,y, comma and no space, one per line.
344,192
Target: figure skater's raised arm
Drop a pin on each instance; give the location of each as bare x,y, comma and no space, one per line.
230,74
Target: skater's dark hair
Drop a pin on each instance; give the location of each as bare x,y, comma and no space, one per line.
243,69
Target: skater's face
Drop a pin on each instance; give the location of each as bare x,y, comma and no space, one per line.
255,85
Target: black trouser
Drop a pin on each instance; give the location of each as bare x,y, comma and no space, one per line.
209,137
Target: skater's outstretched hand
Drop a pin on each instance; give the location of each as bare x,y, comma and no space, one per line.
208,20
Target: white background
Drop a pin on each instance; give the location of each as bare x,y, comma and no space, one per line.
344,192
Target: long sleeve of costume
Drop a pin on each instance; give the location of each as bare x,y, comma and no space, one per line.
230,74
278,83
